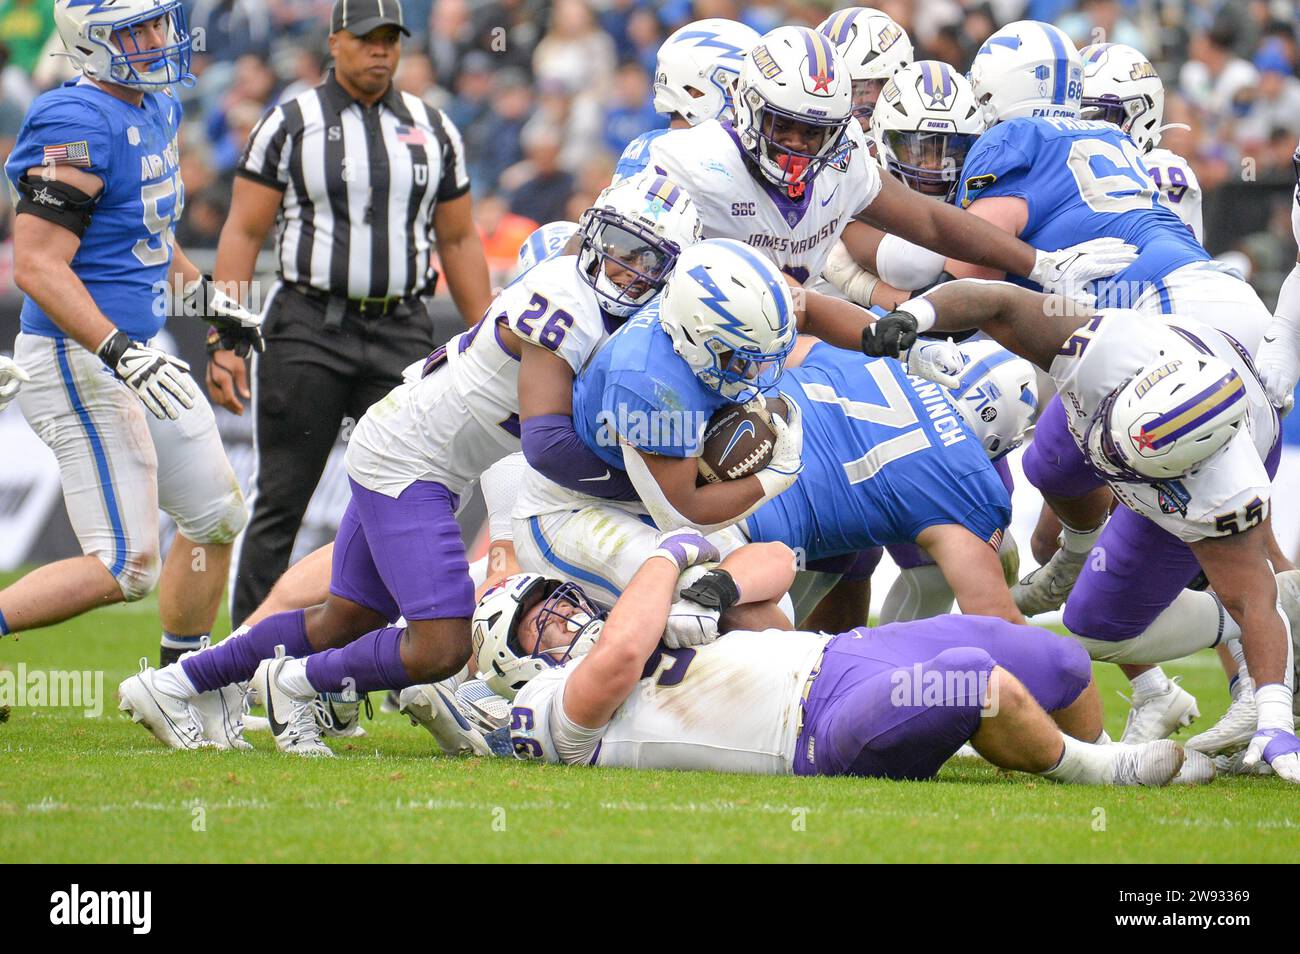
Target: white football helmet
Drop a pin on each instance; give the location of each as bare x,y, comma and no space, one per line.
997,395
703,56
731,317
507,658
636,230
794,75
1166,419
925,122
874,48
1121,86
545,242
1027,68
90,29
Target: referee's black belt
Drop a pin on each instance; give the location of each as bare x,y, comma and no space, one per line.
339,306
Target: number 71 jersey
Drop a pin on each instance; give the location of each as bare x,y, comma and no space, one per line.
126,252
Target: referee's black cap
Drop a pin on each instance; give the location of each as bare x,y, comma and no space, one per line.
359,17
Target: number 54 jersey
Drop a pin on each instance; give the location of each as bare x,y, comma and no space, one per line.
1081,180
126,252
1228,493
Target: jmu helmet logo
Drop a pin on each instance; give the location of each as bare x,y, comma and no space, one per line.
1147,383
1143,70
888,36
767,67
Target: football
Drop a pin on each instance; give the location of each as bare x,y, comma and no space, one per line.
738,441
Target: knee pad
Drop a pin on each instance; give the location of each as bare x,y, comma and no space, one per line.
139,575
220,522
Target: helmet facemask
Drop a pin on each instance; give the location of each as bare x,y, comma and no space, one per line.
129,64
928,162
789,168
865,94
639,260
585,623
1124,113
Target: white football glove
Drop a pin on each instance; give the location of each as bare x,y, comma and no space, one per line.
937,361
690,624
853,281
12,377
685,548
787,453
161,380
1277,747
1067,271
238,329
1278,364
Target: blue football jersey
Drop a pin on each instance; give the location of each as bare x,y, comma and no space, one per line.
884,457
638,388
1081,180
637,154
126,252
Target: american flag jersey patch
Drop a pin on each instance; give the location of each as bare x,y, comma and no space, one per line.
67,154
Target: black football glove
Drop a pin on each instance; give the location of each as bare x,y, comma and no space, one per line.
715,590
890,336
236,328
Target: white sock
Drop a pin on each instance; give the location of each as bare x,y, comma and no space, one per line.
452,683
173,681
1192,622
1274,704
1153,682
293,679
1082,764
1103,739
1080,542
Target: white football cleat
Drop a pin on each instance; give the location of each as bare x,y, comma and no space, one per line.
171,720
1150,764
220,715
340,717
292,718
1159,715
483,706
435,708
1048,587
1198,769
1234,731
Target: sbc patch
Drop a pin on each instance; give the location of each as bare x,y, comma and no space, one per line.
974,186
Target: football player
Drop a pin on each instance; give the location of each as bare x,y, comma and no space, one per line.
695,80
874,48
1279,356
892,702
794,170
1172,418
96,171
409,459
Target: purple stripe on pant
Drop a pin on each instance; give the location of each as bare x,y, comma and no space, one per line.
866,714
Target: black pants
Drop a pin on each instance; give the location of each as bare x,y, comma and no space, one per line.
308,381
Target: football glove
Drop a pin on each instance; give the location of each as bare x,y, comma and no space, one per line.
690,624
236,328
1068,270
161,380
12,377
787,453
889,336
685,548
1279,749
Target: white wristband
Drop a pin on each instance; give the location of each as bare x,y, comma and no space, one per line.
922,310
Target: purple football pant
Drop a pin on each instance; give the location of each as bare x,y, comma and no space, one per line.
1145,567
867,712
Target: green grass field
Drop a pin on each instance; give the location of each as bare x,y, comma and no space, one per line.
102,790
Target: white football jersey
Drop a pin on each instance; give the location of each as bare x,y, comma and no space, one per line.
708,162
1178,187
730,706
455,422
1230,491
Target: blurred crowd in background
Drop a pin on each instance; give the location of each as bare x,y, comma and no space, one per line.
548,92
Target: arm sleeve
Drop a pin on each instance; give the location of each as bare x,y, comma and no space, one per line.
266,158
904,265
556,451
455,178
500,484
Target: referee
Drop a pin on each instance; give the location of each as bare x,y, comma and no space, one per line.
356,176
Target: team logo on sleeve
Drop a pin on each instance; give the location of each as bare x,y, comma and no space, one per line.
974,186
67,154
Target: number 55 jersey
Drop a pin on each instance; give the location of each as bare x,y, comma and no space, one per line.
126,252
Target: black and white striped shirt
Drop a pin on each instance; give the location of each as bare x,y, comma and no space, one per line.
360,186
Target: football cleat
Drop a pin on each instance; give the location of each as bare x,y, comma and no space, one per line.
341,716
1159,715
1198,769
1234,731
433,707
482,706
1150,764
220,715
293,718
171,720
1048,587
